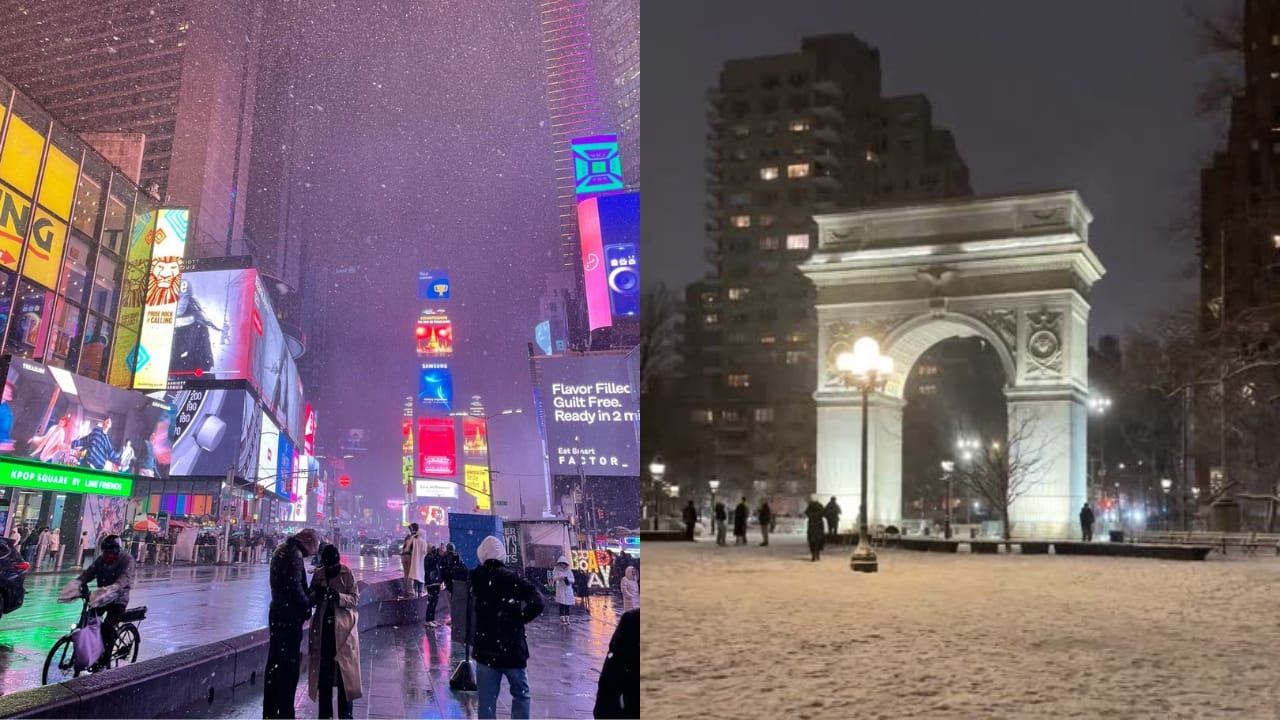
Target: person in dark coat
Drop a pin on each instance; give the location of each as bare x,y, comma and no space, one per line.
618,694
433,580
1086,523
690,516
502,604
813,529
740,523
722,517
290,607
832,512
765,516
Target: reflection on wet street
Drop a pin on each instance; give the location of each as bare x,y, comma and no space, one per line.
220,601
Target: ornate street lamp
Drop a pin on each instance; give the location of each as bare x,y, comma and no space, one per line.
868,370
657,469
715,485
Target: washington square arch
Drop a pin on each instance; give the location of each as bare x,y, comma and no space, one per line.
1013,270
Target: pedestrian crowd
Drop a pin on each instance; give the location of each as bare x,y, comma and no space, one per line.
491,604
822,523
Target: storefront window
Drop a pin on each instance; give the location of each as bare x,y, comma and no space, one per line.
23,146
6,294
68,324
115,226
29,325
61,166
97,344
106,286
74,284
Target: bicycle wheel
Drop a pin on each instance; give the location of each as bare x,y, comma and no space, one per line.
127,642
61,663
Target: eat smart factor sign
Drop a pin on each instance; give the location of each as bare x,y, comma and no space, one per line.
39,476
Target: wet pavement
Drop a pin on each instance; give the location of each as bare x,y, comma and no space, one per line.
405,671
222,601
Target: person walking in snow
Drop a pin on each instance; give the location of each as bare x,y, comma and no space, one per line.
813,529
562,578
722,516
1086,523
502,604
765,516
415,549
630,589
740,523
832,512
690,517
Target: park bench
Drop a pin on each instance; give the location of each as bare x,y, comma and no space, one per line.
1240,540
1212,539
1263,540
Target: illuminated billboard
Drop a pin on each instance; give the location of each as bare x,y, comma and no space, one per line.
477,483
435,387
133,296
168,243
213,333
64,419
475,438
433,284
268,453
213,431
597,164
286,458
591,414
309,431
595,276
435,336
275,374
436,447
619,217
435,488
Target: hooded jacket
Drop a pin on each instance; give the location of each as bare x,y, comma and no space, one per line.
290,599
562,578
502,603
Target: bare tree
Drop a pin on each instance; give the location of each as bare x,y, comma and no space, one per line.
1002,473
1221,40
659,335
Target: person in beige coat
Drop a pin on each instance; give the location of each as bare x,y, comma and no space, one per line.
334,643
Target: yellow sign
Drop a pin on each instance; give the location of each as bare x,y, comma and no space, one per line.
44,248
15,213
20,158
58,186
477,484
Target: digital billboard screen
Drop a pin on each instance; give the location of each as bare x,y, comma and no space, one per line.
437,454
168,246
275,374
435,336
213,330
592,414
435,387
433,284
268,453
64,419
285,461
214,430
597,164
475,438
477,482
435,488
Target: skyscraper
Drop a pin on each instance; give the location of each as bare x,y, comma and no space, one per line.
790,135
181,73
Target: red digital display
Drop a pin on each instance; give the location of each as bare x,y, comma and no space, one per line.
436,447
475,437
435,337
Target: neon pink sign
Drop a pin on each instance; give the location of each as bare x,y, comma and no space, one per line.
593,266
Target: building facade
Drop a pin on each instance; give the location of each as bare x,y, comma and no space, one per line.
182,74
790,135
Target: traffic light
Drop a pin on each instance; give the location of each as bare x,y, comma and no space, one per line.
344,481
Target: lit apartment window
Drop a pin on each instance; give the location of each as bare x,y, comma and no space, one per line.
768,242
1275,74
738,293
795,357
799,126
1275,240
741,131
740,380
711,319
768,173
799,241
1275,41
796,337
764,415
766,221
184,26
708,298
703,417
740,221
731,417
872,157
768,339
799,170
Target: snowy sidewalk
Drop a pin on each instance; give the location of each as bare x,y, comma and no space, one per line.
766,632
406,671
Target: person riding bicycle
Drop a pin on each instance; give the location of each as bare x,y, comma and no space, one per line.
113,570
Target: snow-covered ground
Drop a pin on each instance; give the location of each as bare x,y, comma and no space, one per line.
751,632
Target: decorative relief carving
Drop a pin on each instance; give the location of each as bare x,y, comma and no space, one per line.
1042,217
1044,343
1005,324
853,235
841,335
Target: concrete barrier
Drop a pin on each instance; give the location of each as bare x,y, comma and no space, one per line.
161,686
1194,553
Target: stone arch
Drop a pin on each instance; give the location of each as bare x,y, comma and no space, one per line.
1016,271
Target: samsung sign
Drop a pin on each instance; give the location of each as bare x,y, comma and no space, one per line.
592,413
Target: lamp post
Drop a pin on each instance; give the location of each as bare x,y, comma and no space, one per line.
868,370
715,485
1099,405
1166,484
657,469
948,469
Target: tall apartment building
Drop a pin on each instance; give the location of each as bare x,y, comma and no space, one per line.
790,135
1240,190
181,73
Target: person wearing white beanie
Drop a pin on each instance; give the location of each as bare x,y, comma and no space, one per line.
504,603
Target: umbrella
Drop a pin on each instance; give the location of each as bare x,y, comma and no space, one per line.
146,524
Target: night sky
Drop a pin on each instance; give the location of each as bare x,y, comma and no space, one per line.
1094,95
427,145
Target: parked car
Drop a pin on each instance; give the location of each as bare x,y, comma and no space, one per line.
13,573
372,546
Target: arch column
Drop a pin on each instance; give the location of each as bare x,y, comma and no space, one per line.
840,456
1059,418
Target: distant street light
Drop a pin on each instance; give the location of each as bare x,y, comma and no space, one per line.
868,370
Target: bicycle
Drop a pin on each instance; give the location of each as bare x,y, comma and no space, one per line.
61,662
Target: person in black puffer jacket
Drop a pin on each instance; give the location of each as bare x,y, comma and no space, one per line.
289,610
431,577
502,604
618,694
